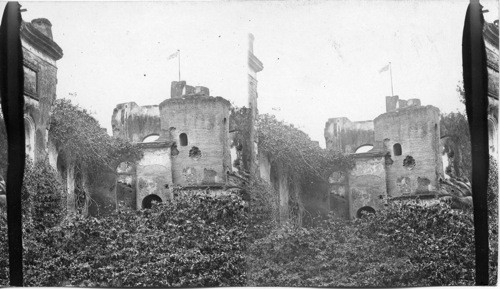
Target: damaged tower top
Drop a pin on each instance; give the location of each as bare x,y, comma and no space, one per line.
179,89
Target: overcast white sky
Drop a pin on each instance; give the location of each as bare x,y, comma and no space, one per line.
321,58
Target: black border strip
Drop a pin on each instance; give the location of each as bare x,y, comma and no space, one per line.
11,90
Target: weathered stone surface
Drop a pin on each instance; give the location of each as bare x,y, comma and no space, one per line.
367,183
154,173
40,54
202,121
416,130
134,123
344,135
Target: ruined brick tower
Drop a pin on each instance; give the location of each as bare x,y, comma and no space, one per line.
199,128
410,133
398,154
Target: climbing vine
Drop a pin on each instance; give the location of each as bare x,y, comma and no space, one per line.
293,148
79,135
84,143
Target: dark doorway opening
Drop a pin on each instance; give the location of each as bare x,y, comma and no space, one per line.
147,202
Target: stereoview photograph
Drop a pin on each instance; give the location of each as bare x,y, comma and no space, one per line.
261,143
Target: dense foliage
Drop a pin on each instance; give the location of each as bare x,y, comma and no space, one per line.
79,136
195,240
493,219
81,142
407,245
42,195
455,126
296,151
43,207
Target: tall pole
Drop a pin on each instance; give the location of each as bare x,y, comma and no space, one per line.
390,71
179,64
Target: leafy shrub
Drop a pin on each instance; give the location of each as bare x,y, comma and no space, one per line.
493,220
81,140
42,194
263,213
194,240
297,152
406,245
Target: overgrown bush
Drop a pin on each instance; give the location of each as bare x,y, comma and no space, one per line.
81,141
263,213
195,240
493,220
294,149
42,195
406,245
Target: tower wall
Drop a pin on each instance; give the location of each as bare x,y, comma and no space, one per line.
202,123
411,135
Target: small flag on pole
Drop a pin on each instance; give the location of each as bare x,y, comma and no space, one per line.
383,69
173,55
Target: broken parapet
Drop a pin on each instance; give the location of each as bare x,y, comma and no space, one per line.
134,123
346,136
179,89
393,103
43,25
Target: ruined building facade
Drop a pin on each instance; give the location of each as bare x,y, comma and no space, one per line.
40,54
190,148
402,159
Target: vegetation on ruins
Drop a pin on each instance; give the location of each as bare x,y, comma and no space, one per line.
404,245
199,240
293,148
78,134
84,143
455,126
194,240
42,195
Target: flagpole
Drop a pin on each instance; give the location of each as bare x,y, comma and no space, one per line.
390,70
179,64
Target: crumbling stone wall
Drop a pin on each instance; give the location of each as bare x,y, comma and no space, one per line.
154,173
339,194
40,54
367,183
346,136
198,126
126,185
411,136
134,123
179,89
393,103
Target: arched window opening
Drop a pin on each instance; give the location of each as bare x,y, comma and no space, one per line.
364,148
148,201
364,211
183,139
397,149
151,138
